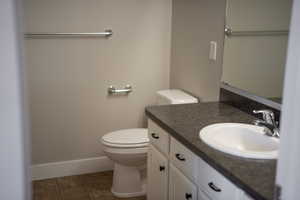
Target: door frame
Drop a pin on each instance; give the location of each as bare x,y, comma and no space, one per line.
15,181
288,176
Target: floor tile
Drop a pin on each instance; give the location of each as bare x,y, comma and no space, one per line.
95,186
72,188
45,190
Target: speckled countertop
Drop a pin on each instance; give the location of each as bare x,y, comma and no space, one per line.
183,122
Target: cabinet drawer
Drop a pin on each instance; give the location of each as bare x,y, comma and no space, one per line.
158,137
245,196
215,185
184,159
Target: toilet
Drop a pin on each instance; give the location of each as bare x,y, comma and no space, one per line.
128,149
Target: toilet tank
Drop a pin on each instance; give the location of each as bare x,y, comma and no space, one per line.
174,96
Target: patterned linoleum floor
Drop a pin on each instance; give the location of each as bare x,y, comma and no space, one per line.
82,187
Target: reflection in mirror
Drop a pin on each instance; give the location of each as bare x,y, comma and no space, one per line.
255,46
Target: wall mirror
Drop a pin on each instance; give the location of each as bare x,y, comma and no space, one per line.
255,47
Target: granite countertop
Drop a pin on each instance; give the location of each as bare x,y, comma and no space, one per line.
183,122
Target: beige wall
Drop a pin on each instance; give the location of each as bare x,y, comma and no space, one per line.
194,24
68,78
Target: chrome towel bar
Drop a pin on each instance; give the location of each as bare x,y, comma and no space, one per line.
229,32
106,33
112,90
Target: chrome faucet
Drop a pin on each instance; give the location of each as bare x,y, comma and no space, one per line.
268,122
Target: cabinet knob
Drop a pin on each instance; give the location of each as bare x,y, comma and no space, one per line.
188,196
162,168
154,136
213,187
179,157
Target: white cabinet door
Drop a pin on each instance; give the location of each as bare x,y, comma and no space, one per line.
180,187
157,187
202,195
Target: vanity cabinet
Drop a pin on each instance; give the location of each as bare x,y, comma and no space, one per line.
176,173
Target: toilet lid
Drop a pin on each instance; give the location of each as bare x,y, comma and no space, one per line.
134,137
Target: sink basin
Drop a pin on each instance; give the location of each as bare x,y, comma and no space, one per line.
244,140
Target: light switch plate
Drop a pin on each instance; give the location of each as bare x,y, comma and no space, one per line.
213,51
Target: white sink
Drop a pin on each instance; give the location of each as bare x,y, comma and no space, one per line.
242,140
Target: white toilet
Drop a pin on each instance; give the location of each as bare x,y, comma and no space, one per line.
128,149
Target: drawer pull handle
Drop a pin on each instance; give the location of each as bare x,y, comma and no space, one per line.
179,157
213,187
154,136
162,168
188,196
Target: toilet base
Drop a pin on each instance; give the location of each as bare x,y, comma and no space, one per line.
129,195
128,182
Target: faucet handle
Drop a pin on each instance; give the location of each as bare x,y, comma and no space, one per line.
268,115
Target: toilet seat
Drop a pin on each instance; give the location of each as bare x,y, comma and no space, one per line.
127,138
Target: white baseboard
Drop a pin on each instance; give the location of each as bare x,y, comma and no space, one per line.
71,167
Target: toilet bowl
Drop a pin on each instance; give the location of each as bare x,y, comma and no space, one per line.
128,149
